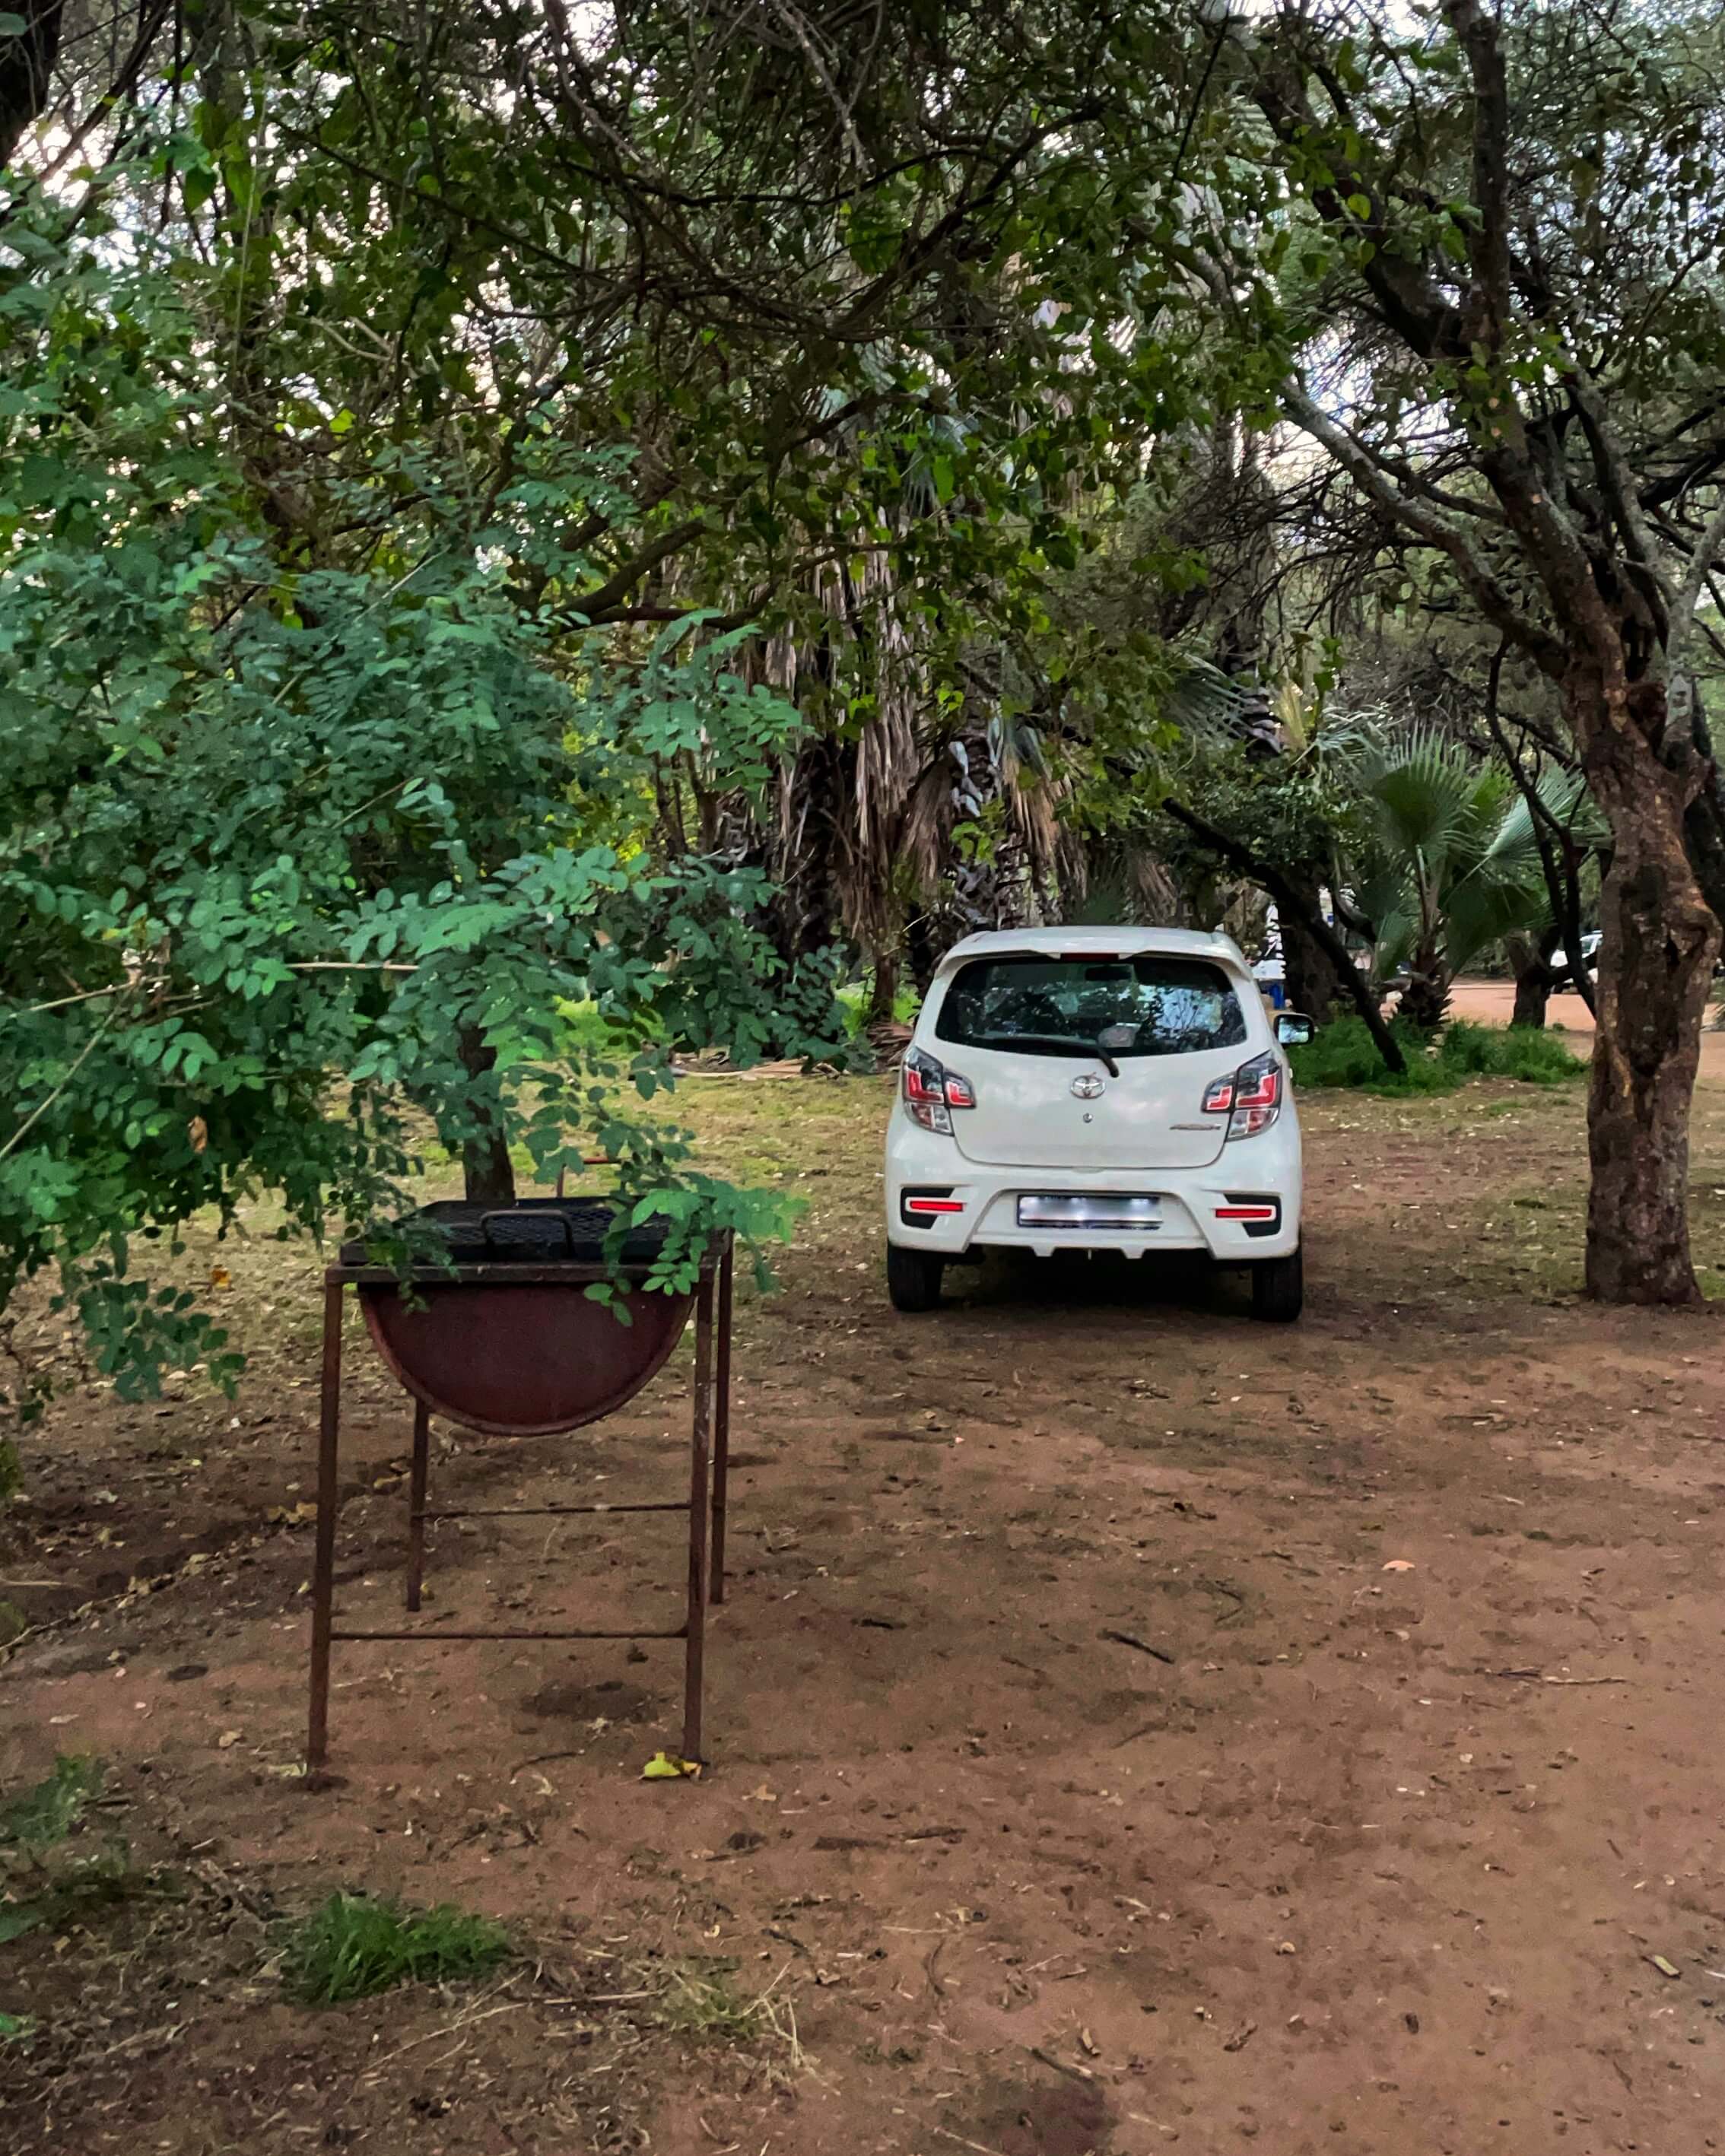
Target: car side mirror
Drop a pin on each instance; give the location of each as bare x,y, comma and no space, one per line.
1293,1028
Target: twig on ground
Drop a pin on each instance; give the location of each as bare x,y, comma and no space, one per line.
1143,1646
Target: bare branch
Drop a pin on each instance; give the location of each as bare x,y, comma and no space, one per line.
1707,550
1419,517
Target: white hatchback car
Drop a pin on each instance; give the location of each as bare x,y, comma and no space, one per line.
1095,1088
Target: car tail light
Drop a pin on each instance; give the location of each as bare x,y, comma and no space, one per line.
1218,1096
1257,1096
931,1090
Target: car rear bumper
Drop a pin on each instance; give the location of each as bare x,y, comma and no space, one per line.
1217,1209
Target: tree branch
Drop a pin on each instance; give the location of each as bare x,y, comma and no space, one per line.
1493,600
1288,897
1707,550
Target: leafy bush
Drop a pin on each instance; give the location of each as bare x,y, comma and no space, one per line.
300,867
353,1947
1515,1051
1345,1055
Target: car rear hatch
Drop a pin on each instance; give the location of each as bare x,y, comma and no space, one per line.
1035,1035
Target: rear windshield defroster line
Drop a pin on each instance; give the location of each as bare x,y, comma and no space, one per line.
1148,1004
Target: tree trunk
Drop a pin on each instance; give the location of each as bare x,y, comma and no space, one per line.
1533,993
486,1168
1312,980
1530,958
1659,942
884,993
27,61
1425,1000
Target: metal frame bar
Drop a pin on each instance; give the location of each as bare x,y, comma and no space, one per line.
709,1466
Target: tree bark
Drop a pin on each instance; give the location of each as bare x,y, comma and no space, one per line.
26,62
1313,981
1659,941
1530,956
1533,994
1424,1001
487,1171
884,993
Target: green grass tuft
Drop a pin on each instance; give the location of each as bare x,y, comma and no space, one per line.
47,1813
353,1947
1345,1055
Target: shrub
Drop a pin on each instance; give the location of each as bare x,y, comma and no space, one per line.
1345,1055
1516,1051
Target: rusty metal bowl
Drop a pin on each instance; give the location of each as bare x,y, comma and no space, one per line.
514,1346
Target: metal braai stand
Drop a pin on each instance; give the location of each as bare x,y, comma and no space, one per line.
504,1340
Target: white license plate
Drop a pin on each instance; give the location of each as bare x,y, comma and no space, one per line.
1081,1210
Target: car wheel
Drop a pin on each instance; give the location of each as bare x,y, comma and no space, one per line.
1278,1289
913,1278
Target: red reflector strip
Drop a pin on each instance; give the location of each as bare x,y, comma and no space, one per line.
1247,1212
934,1205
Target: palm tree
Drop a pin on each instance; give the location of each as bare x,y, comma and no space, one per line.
1450,862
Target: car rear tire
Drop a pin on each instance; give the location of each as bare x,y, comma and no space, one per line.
1278,1289
913,1278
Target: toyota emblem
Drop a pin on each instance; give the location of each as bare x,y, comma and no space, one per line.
1089,1087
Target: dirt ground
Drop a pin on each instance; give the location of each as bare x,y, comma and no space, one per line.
1131,1728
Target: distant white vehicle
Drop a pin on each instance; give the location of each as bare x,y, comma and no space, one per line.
1095,1088
1560,966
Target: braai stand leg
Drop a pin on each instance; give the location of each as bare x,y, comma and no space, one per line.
694,1623
323,1569
721,1428
416,1503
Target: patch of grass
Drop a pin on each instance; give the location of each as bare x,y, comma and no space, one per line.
857,996
15,2028
46,1886
47,1813
706,2003
352,1947
11,1471
702,2001
1345,1055
1524,1052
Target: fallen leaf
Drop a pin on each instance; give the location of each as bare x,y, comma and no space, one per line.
667,1767
227,1739
220,1277
1287,1946
1090,2044
1665,1968
1400,1564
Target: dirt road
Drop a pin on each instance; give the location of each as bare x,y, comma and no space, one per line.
1132,1728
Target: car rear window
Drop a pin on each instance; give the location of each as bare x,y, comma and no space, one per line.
1147,1005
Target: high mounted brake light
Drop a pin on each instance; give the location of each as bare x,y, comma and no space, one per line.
932,1091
